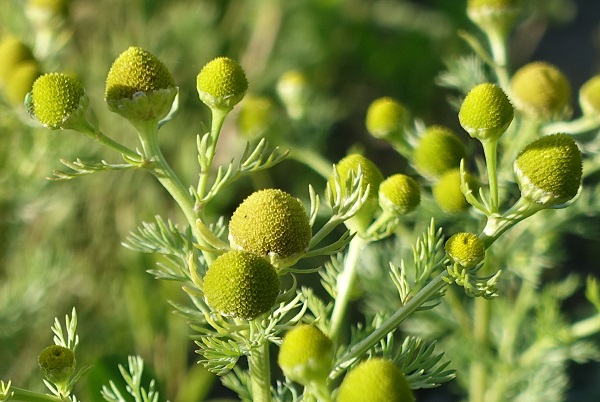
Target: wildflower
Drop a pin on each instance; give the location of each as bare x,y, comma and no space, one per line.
549,170
497,16
438,151
21,81
241,284
399,194
386,118
486,112
293,90
222,83
272,224
57,363
465,249
447,192
375,380
57,101
12,53
306,354
589,97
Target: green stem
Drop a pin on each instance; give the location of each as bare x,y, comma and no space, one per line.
481,331
581,125
313,160
346,280
24,395
320,391
490,153
497,40
206,160
260,372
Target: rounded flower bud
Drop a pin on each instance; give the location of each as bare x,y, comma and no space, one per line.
12,53
386,118
139,86
494,15
21,82
241,284
306,354
293,90
399,194
256,116
549,170
465,249
486,112
52,7
438,151
56,99
57,363
273,224
375,380
541,91
447,192
221,83
589,97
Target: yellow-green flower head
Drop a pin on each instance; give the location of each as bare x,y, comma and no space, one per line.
12,53
486,112
465,249
241,284
375,380
541,91
221,83
589,97
447,192
386,118
272,224
399,194
494,15
57,363
549,170
306,354
293,90
438,151
139,86
55,98
256,116
372,178
55,7
21,82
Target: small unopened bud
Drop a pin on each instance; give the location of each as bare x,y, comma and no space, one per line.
465,249
256,117
57,363
399,194
438,151
497,16
589,97
386,118
221,83
12,53
486,112
21,81
294,92
447,192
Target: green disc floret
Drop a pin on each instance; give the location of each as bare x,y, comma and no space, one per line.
465,249
221,83
306,354
541,90
549,170
12,53
241,284
57,363
399,194
438,151
386,118
486,112
375,380
55,97
589,97
447,192
272,224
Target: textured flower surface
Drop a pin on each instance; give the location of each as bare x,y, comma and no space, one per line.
221,83
57,363
241,284
375,380
549,170
371,174
54,98
486,112
306,354
438,151
465,249
399,194
447,192
386,118
271,223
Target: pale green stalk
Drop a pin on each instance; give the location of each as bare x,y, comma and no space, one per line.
23,395
581,125
206,161
260,372
489,149
498,46
478,374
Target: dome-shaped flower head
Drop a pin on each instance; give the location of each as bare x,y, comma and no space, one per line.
139,86
541,90
589,97
399,194
221,84
372,178
294,91
486,112
256,116
21,82
306,354
50,7
57,363
386,118
447,192
57,100
549,170
465,249
438,151
496,16
272,224
12,53
241,284
375,380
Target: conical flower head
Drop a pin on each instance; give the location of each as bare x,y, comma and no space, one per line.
549,170
221,83
386,118
438,151
12,53
399,194
486,112
56,98
375,380
139,86
272,224
541,91
306,354
589,97
57,363
241,284
465,249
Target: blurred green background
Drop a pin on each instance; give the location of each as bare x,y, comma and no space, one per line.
60,242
